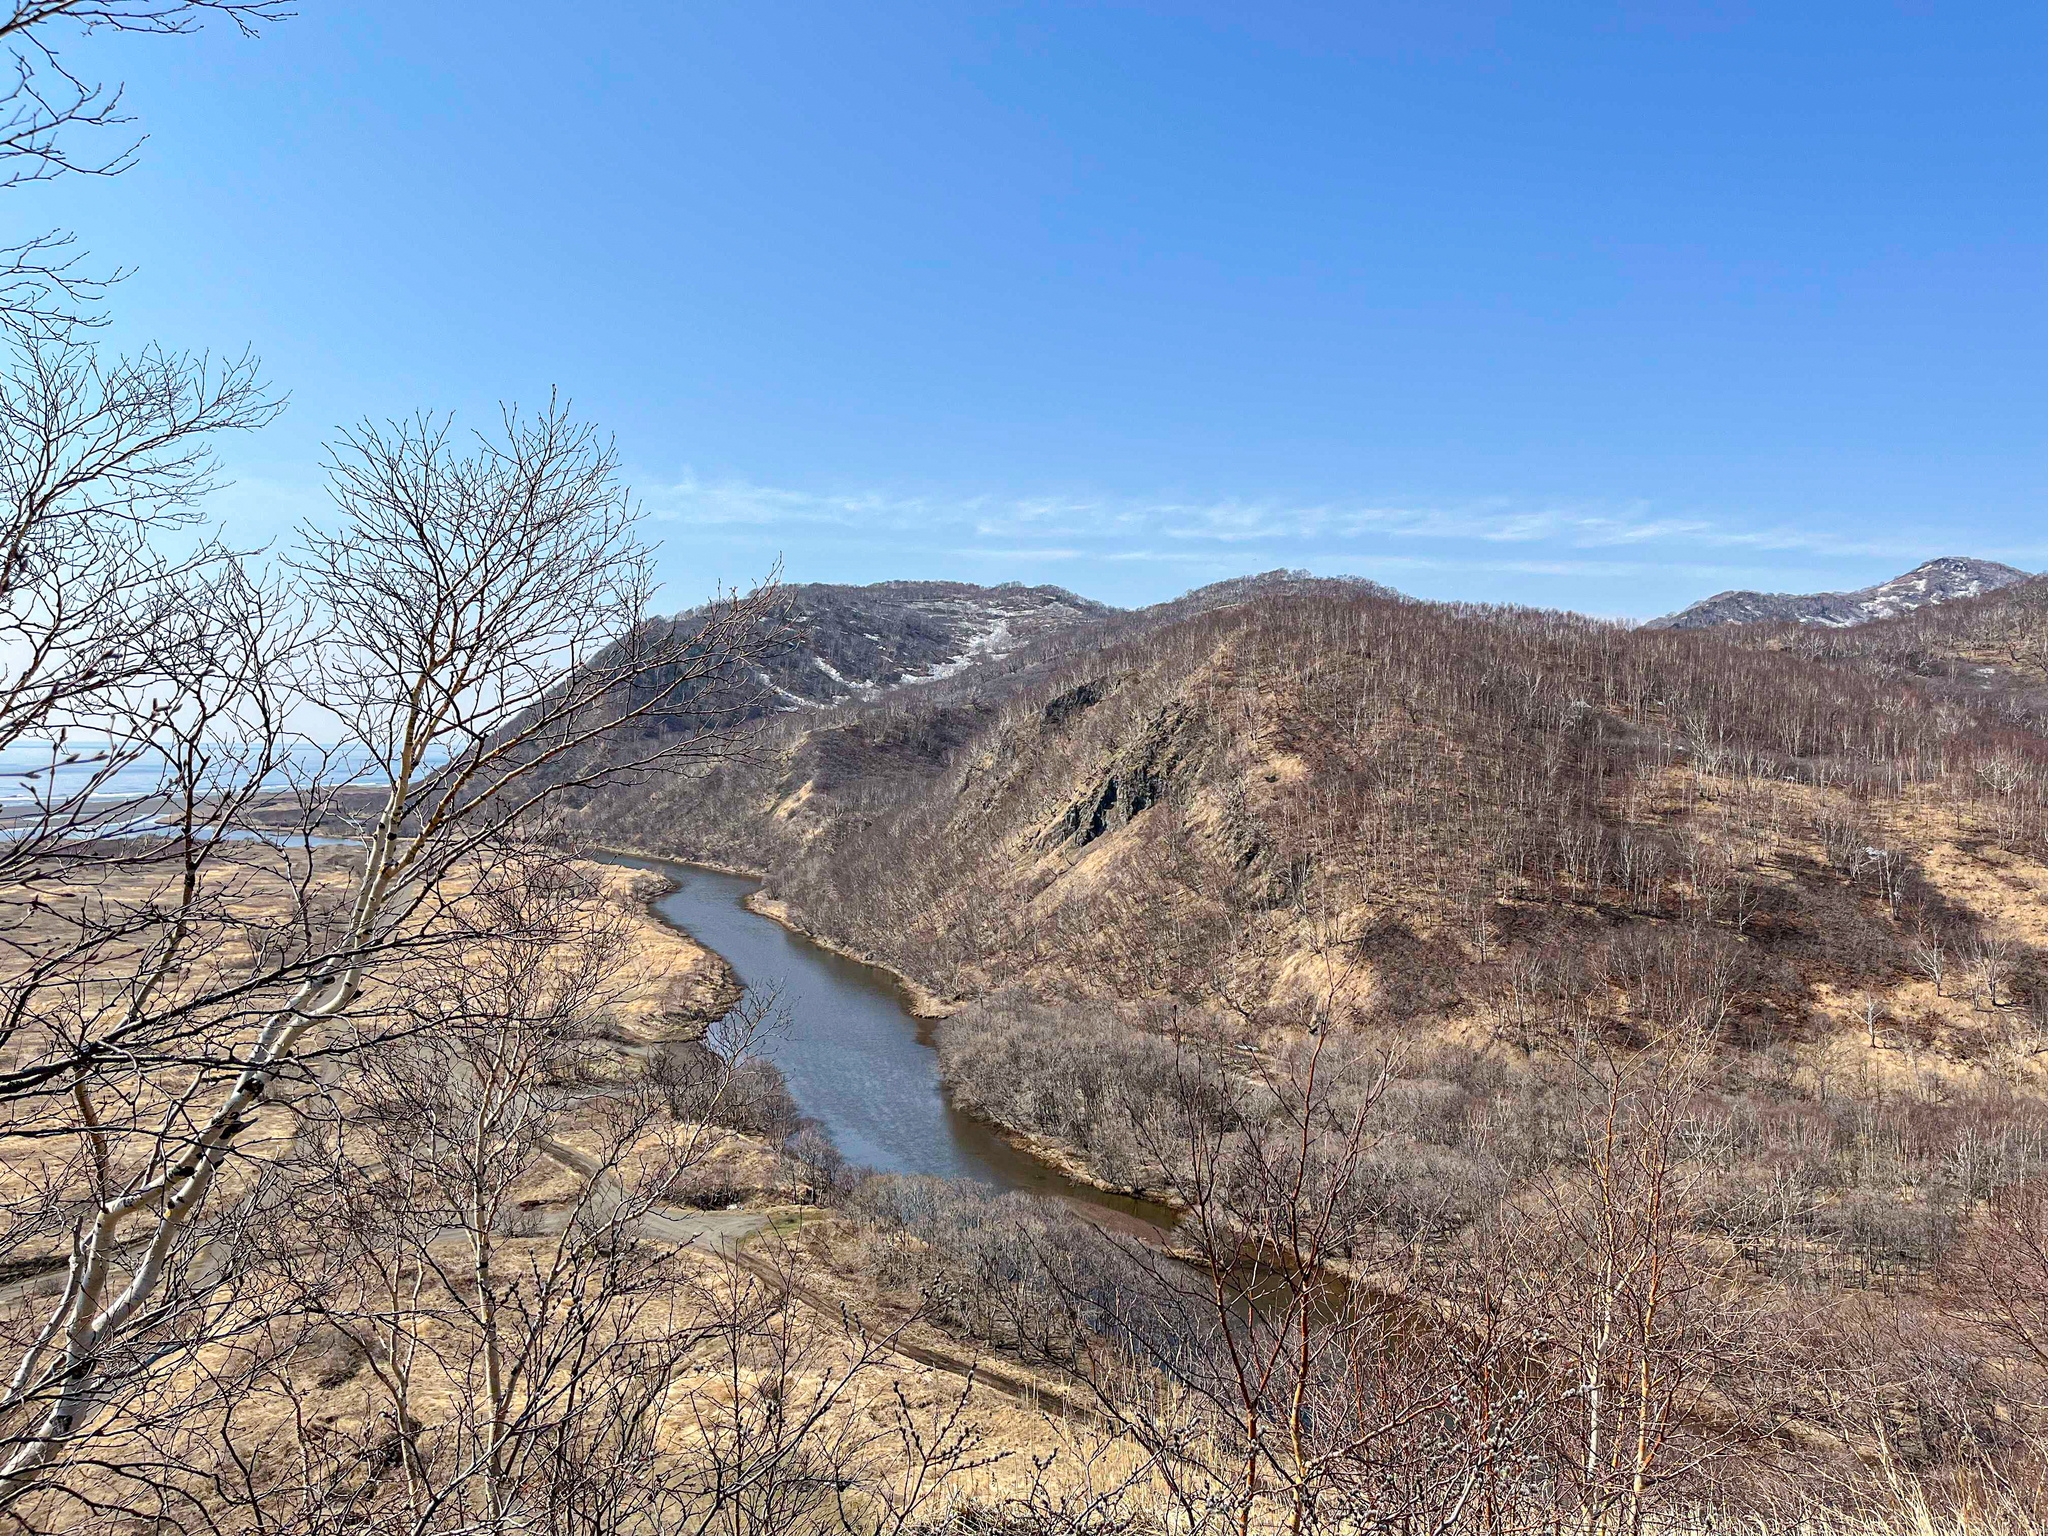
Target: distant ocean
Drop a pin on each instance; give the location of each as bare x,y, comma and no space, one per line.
26,774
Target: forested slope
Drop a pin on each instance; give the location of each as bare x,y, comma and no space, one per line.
1396,810
1990,653
1765,908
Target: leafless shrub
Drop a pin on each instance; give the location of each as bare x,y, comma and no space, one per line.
461,625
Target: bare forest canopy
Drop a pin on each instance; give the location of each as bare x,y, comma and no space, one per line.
1434,771
1598,1071
1498,852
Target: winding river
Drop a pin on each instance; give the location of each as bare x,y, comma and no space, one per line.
853,1054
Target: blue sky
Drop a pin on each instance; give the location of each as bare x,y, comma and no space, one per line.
1598,306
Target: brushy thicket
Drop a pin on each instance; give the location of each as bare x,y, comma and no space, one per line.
1850,1189
1163,869
1840,1348
1013,1270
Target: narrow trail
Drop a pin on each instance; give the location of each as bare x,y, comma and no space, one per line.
719,1232
727,1230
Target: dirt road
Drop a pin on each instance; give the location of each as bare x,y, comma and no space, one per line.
725,1231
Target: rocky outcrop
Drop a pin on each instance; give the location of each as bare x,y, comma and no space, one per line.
1142,777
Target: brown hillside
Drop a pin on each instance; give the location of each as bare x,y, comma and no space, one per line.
1988,652
1407,812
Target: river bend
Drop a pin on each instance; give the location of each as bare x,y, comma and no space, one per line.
853,1054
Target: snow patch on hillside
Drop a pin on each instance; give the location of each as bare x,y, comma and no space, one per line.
1949,579
991,644
851,685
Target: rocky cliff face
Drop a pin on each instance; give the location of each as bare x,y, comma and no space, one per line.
1938,581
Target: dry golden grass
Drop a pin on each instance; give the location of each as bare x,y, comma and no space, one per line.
682,987
672,988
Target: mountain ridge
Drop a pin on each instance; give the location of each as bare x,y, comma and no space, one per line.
1941,580
849,645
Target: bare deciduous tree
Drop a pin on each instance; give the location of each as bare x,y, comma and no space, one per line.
1611,1274
474,623
54,122
1267,1387
2001,1273
546,1337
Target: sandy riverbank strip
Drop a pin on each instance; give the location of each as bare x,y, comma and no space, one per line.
922,1002
686,987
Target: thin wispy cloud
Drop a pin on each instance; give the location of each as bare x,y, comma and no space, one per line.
1618,552
1237,534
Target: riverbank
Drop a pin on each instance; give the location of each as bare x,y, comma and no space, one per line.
922,1001
738,871
1062,1158
689,987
